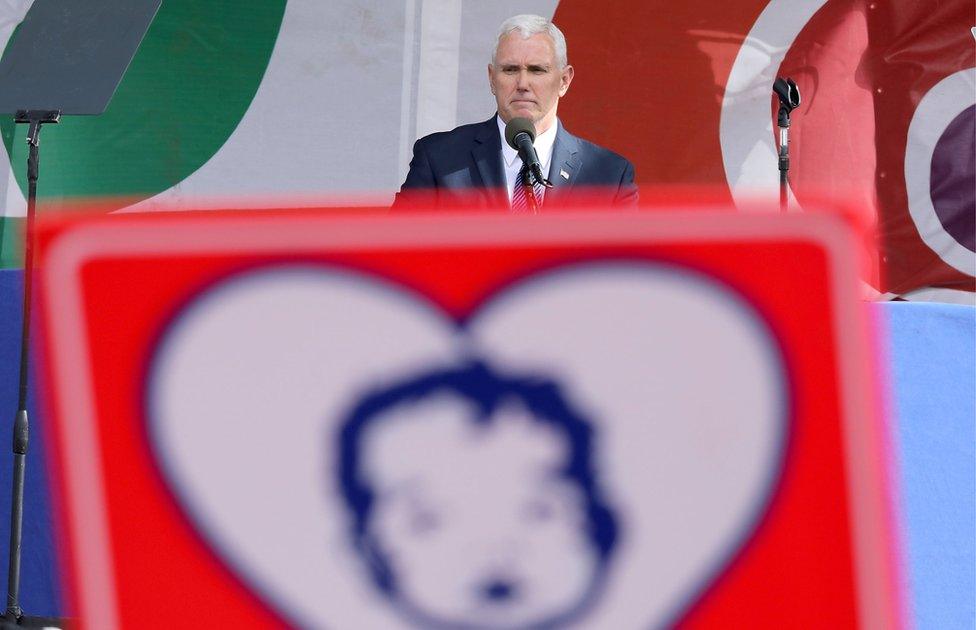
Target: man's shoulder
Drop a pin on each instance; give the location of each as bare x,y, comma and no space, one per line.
458,136
593,151
599,167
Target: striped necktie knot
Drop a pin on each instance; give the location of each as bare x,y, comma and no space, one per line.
528,195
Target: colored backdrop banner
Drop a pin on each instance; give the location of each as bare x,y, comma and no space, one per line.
275,100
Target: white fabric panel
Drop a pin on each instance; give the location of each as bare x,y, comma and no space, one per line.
12,12
350,86
437,83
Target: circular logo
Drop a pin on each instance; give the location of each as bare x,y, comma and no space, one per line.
939,174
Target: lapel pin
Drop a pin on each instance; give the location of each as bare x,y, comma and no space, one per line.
563,174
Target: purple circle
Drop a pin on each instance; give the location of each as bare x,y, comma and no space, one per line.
953,182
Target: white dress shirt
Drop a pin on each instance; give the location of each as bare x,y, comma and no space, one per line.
513,164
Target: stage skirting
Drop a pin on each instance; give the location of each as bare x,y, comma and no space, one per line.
930,356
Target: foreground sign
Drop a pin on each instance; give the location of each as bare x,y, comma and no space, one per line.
580,420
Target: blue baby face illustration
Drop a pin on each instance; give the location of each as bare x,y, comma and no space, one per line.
474,502
428,486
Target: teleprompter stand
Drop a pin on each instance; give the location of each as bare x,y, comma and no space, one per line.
34,118
66,57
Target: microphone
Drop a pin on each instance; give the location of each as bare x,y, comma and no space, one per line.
789,99
520,134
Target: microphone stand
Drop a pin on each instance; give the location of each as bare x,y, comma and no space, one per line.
789,99
535,174
34,118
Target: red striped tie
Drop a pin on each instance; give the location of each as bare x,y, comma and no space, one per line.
526,198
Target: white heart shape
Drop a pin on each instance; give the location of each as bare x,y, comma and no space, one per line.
682,379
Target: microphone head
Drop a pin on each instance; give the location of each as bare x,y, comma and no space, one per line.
516,126
788,92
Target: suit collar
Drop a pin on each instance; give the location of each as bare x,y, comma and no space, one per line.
543,143
487,154
566,161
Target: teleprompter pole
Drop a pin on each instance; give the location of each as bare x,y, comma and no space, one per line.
34,119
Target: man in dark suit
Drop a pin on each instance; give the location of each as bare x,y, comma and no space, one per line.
472,164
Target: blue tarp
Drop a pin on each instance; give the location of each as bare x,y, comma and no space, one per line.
932,353
39,588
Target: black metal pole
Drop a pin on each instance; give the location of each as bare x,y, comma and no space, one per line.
788,94
21,426
784,165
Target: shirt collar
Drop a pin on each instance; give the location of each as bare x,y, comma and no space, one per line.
543,145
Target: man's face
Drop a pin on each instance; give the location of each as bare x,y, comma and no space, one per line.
478,527
526,80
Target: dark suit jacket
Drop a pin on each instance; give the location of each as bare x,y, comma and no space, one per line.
464,165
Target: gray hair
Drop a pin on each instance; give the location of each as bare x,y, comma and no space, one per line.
528,25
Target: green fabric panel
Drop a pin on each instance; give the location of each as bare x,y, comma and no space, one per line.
11,242
187,88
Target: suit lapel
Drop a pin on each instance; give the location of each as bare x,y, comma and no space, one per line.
487,154
565,163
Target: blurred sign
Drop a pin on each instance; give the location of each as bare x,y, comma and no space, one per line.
573,420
